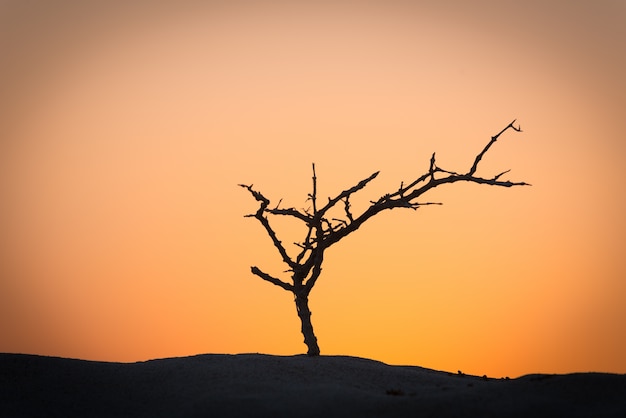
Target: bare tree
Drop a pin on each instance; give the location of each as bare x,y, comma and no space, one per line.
323,231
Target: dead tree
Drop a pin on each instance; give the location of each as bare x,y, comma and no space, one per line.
323,231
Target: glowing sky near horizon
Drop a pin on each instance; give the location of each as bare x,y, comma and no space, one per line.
124,130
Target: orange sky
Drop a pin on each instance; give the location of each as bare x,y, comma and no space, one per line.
124,131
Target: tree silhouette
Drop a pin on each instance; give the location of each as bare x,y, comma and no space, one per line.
324,231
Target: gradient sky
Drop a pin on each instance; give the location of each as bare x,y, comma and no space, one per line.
125,128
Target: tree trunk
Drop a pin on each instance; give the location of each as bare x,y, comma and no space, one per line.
302,305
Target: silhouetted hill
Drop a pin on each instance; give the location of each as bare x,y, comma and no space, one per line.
256,385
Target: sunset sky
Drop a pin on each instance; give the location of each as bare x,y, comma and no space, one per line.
126,127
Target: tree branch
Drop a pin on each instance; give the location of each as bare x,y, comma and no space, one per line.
306,245
317,260
313,195
405,196
346,193
347,208
255,270
290,212
260,216
493,140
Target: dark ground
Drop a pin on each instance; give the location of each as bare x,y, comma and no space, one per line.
256,385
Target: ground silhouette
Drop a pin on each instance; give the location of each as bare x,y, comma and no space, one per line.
256,385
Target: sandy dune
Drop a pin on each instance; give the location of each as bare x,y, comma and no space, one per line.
256,385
